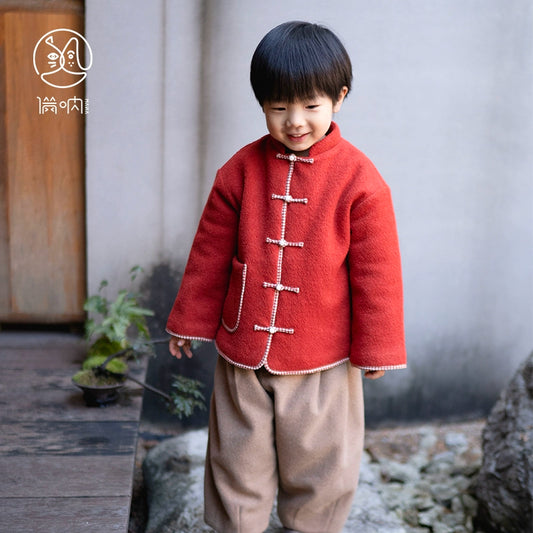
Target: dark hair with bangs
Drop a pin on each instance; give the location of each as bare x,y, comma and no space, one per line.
296,60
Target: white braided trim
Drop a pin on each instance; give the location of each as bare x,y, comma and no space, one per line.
282,243
188,337
303,372
234,363
392,367
277,372
243,286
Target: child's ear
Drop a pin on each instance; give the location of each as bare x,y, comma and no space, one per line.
337,105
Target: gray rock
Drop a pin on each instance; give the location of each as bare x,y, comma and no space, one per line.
428,439
429,518
393,471
423,501
468,470
453,520
461,484
469,504
441,462
505,483
457,506
370,514
441,528
443,493
456,442
173,475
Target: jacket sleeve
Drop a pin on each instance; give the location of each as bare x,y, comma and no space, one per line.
378,341
198,306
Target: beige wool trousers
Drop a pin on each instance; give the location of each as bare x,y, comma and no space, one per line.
297,437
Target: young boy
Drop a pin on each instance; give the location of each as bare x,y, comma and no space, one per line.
295,274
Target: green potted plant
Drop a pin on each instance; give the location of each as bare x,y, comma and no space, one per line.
116,331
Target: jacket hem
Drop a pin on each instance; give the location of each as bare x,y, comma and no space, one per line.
264,364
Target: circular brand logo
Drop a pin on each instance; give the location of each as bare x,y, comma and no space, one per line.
62,57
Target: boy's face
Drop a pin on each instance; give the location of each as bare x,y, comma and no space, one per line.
302,123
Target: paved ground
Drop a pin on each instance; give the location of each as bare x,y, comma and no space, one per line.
65,467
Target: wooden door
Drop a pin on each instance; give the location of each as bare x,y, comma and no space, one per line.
42,163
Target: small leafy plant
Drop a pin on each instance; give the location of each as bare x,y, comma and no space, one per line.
111,321
116,330
185,397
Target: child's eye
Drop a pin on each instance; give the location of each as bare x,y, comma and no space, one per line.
312,106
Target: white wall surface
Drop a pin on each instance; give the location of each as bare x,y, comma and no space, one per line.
142,134
441,103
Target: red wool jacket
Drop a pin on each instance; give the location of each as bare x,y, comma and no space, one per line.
295,265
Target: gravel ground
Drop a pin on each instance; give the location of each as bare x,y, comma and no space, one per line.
414,479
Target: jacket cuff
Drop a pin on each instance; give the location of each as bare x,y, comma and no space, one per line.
391,367
189,337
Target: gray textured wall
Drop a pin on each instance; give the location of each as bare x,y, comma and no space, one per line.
442,105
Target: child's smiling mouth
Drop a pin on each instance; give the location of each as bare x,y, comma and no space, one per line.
297,137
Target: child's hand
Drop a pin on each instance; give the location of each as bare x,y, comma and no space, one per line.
374,374
176,346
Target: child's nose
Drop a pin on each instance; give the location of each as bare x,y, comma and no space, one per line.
295,118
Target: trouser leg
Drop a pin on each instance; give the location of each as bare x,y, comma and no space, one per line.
308,428
241,473
319,430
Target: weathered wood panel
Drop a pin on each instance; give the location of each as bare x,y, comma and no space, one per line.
5,284
64,467
64,515
45,350
58,437
42,235
36,382
32,404
65,476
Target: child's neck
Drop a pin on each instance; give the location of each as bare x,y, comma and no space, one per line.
301,153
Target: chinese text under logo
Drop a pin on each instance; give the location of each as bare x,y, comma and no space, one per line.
71,105
62,57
